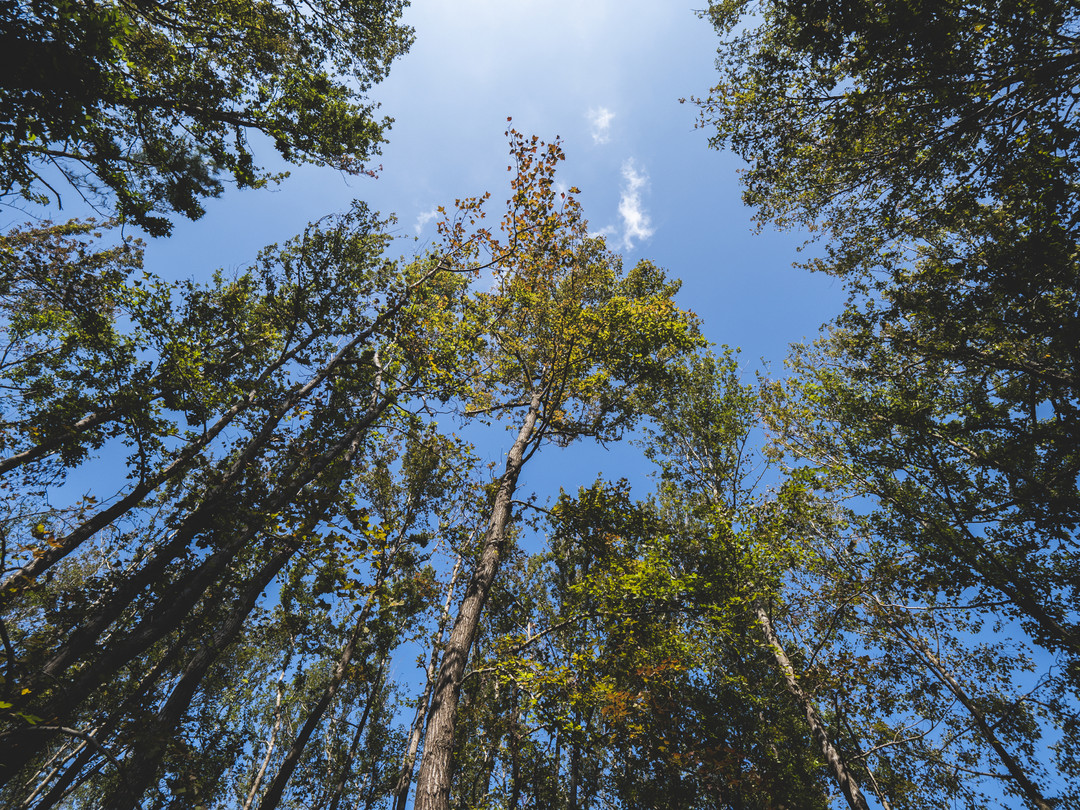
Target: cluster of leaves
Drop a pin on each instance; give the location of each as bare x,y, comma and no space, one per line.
938,150
148,105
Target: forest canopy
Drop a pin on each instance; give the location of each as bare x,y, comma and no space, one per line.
853,582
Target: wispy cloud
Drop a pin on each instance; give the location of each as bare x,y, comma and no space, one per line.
635,220
600,124
424,219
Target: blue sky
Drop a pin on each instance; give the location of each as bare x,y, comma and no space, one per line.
607,77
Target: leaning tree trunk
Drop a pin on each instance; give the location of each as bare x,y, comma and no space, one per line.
846,782
274,792
338,789
433,781
153,739
1016,771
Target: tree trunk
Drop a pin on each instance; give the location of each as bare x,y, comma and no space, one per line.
272,797
271,741
153,741
339,783
433,781
846,782
515,750
1027,787
401,790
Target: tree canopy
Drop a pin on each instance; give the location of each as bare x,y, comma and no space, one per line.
936,148
148,107
233,507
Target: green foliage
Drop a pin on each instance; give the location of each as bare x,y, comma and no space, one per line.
936,149
244,408
153,104
273,541
562,316
630,649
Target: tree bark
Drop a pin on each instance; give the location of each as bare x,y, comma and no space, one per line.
433,781
401,790
846,782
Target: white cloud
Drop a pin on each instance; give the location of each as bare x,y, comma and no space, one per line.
424,219
600,123
635,220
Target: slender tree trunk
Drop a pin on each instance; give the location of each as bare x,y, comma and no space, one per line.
56,764
373,694
274,792
575,764
515,750
1029,789
492,737
433,781
271,741
846,782
401,790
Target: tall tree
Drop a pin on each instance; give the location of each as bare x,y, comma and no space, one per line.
562,344
747,541
936,148
643,674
